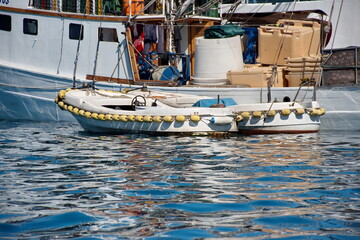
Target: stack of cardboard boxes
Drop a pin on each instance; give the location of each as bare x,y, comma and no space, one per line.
292,47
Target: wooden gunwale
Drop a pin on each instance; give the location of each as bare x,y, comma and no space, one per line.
128,81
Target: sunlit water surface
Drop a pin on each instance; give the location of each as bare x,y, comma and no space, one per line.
59,182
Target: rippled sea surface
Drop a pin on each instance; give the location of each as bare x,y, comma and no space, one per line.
56,181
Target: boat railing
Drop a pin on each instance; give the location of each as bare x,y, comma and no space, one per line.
96,7
119,7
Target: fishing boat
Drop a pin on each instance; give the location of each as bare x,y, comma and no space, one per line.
52,45
153,112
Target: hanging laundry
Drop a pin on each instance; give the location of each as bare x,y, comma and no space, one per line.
139,44
177,39
160,48
150,37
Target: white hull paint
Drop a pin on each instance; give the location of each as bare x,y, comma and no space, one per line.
113,127
92,125
301,124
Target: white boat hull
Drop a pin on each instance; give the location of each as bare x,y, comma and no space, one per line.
280,124
170,113
251,126
187,127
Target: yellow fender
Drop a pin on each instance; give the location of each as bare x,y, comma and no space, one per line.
168,119
81,112
157,119
57,99
108,117
101,116
70,108
116,117
139,118
271,113
257,114
239,118
61,104
76,111
180,118
315,112
61,94
322,111
148,119
245,114
87,114
94,115
123,118
131,118
285,112
195,118
65,107
299,111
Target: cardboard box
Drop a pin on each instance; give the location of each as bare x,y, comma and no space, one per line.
295,78
256,77
289,39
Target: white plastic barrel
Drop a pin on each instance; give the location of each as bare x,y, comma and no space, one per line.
214,58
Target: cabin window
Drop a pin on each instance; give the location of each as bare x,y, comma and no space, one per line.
108,35
5,22
41,4
30,26
76,31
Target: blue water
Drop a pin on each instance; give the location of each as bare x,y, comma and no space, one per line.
58,182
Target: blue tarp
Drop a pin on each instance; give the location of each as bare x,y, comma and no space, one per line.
208,102
250,46
224,31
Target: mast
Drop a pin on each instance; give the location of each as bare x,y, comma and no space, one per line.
170,19
77,55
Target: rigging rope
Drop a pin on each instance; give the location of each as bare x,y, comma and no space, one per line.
280,47
231,10
77,53
97,52
256,11
61,45
123,64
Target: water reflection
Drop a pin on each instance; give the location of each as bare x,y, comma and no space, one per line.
134,186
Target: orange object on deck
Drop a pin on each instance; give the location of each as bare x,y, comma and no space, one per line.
136,6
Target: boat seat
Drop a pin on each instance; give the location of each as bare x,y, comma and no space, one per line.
176,104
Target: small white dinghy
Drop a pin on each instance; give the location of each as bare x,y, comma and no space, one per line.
155,112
